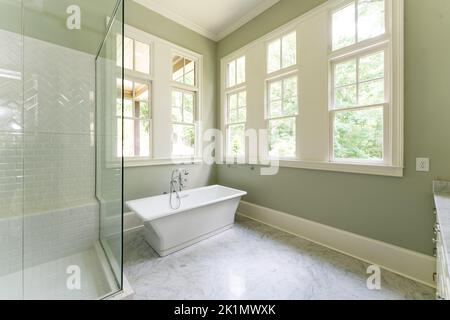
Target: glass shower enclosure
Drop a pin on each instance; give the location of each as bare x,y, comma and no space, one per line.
61,167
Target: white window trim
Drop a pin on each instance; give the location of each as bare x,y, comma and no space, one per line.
386,105
392,42
236,90
145,37
227,79
225,92
289,72
396,121
149,83
193,124
282,69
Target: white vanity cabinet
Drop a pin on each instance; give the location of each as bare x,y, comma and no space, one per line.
442,239
442,267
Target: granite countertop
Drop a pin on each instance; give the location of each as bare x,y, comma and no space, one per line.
442,201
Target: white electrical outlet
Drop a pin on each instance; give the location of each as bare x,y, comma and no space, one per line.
423,164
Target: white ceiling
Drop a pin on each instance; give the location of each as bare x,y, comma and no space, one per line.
214,19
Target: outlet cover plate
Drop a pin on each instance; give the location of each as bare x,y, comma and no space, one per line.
423,164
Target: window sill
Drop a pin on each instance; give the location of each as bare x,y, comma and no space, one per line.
363,168
128,163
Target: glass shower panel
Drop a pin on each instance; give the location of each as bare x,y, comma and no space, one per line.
109,159
62,255
11,150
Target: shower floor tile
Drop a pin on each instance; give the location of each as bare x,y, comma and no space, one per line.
48,281
255,261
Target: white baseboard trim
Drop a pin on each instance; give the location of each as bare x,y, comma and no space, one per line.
407,263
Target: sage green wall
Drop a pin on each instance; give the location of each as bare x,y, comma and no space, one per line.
395,210
153,180
46,21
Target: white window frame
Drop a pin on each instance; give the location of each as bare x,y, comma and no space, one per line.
280,78
162,101
235,91
236,84
182,122
280,75
147,82
356,51
282,69
237,88
195,90
386,105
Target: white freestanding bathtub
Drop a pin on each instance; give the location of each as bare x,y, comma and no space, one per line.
204,212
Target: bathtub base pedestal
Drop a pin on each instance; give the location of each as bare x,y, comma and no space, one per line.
166,252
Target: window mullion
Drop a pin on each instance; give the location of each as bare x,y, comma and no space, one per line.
356,21
357,81
281,53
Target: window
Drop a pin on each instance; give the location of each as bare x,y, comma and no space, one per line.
282,53
236,118
184,101
327,89
359,101
183,70
358,21
160,128
137,55
236,72
136,112
183,138
137,108
282,114
236,107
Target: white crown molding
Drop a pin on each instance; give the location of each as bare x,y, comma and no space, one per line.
156,7
248,17
160,9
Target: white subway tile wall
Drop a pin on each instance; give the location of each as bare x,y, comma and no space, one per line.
47,152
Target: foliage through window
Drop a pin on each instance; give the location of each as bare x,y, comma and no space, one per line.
282,53
359,101
236,119
136,113
358,21
236,72
183,120
282,115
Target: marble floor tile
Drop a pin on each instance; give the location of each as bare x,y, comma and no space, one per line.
255,261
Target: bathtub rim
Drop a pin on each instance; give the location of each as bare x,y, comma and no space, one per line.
165,213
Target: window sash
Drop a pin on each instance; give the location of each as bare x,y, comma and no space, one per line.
194,129
182,107
228,142
295,146
383,47
133,67
181,79
145,81
358,42
237,108
235,66
280,48
386,108
282,79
